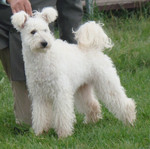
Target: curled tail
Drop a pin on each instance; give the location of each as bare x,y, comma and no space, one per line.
91,35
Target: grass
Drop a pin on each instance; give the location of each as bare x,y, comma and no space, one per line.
131,56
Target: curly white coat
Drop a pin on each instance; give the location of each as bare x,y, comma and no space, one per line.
60,74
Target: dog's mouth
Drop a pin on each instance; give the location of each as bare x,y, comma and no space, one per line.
41,49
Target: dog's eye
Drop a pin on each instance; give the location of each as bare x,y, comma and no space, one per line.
33,32
45,30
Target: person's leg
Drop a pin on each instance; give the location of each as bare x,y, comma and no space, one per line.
69,18
22,104
5,59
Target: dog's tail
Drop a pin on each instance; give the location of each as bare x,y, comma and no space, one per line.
91,35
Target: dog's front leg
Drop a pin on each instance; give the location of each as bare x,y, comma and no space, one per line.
41,115
63,114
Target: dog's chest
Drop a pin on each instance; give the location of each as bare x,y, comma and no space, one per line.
40,70
42,81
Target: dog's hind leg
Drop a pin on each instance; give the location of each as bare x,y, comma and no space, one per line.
41,116
112,94
87,103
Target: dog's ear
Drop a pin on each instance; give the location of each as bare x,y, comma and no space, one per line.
19,19
49,14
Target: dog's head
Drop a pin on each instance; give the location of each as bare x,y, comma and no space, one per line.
34,30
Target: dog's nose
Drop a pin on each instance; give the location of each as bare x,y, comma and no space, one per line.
44,44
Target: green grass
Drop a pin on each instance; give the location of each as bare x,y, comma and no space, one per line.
131,55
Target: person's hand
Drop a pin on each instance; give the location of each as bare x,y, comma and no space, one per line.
18,5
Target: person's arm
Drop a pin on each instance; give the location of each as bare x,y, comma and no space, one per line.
18,5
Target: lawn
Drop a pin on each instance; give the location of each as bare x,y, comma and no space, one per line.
131,55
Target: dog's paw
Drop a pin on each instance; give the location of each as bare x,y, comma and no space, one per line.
38,133
92,118
38,130
63,134
94,113
130,112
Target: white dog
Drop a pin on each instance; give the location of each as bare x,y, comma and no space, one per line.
60,74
